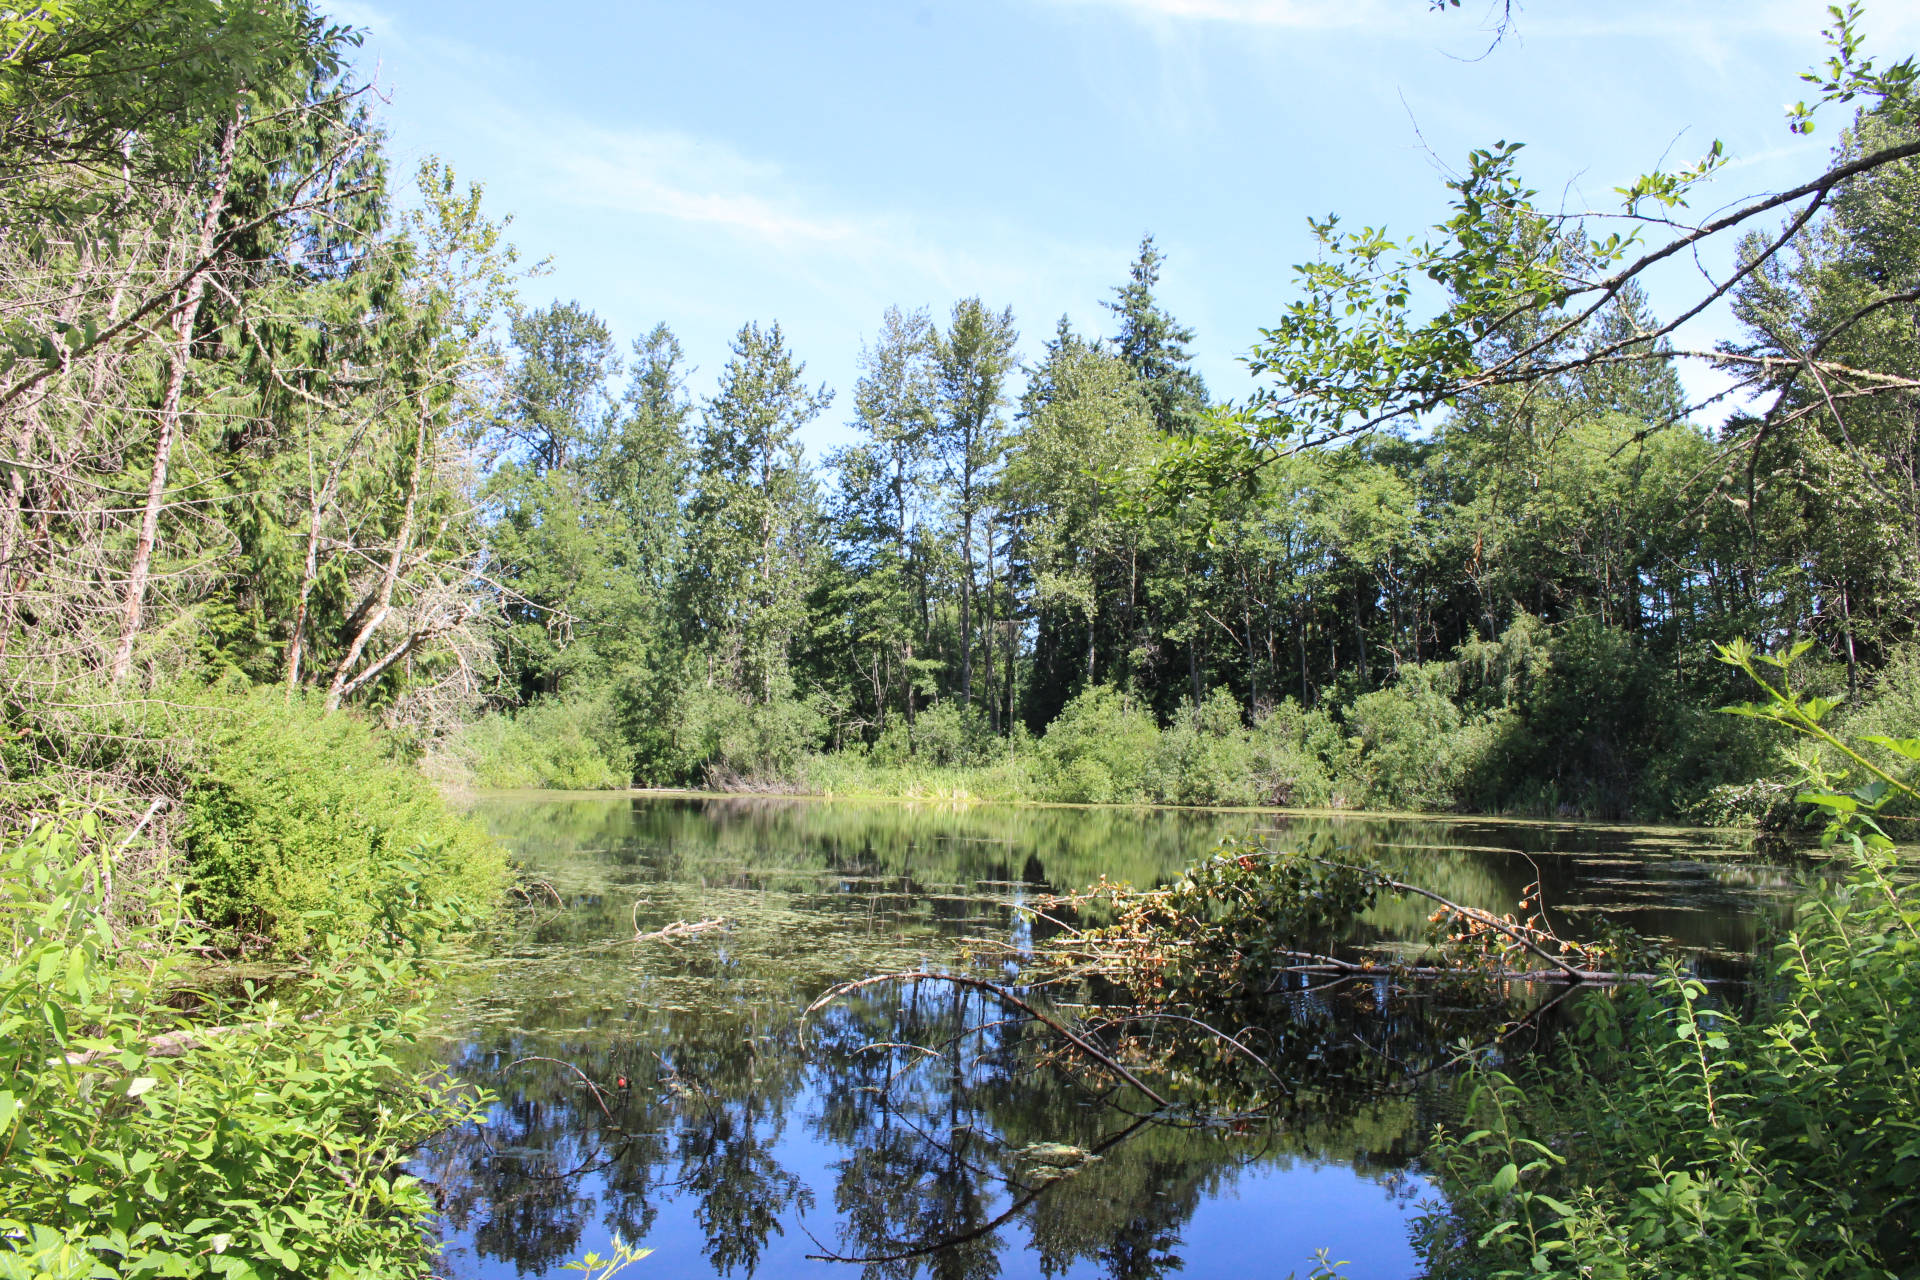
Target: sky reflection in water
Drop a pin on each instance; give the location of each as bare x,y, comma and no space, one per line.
740,1150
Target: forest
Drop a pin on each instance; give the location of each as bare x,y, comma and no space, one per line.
1505,606
311,506
281,417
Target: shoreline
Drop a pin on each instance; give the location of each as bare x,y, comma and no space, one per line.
467,795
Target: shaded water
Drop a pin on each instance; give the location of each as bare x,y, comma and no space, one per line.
918,1130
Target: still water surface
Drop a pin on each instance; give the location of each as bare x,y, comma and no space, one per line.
744,1144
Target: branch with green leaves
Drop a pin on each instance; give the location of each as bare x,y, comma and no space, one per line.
1522,286
1854,816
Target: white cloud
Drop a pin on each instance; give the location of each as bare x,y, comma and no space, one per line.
1293,14
706,185
761,230
1887,25
673,176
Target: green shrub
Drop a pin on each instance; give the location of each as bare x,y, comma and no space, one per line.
1206,756
947,736
1293,755
1780,1144
892,746
269,1150
1416,748
725,739
1892,705
292,818
569,744
1099,751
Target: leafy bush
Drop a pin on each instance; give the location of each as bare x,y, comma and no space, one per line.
572,744
1205,756
1673,1136
254,1139
1782,1144
1417,749
1293,755
1099,751
726,740
948,736
295,820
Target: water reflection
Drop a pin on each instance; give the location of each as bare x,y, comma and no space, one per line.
668,1092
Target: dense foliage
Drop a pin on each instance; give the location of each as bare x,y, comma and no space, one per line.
1674,1135
268,418
299,824
237,397
1498,592
154,1125
240,386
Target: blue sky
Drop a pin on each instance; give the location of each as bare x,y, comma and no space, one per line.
707,164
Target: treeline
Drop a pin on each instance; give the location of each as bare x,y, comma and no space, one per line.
240,395
271,427
1510,607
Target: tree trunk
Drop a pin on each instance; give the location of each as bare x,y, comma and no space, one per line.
186,316
309,574
383,600
986,639
966,610
1089,647
1012,651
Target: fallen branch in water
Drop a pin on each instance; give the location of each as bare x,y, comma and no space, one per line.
1112,959
1211,935
1486,919
681,929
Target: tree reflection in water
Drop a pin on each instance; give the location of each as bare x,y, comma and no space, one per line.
913,1130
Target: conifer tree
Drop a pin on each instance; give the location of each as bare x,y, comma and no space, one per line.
1154,345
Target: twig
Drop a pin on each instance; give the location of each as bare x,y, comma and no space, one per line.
1571,973
158,803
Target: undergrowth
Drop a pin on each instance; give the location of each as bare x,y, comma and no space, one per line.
157,1124
1678,1134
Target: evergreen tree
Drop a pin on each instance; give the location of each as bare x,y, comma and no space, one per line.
753,536
1154,345
883,596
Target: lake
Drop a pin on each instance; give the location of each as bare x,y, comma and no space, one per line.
669,1090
